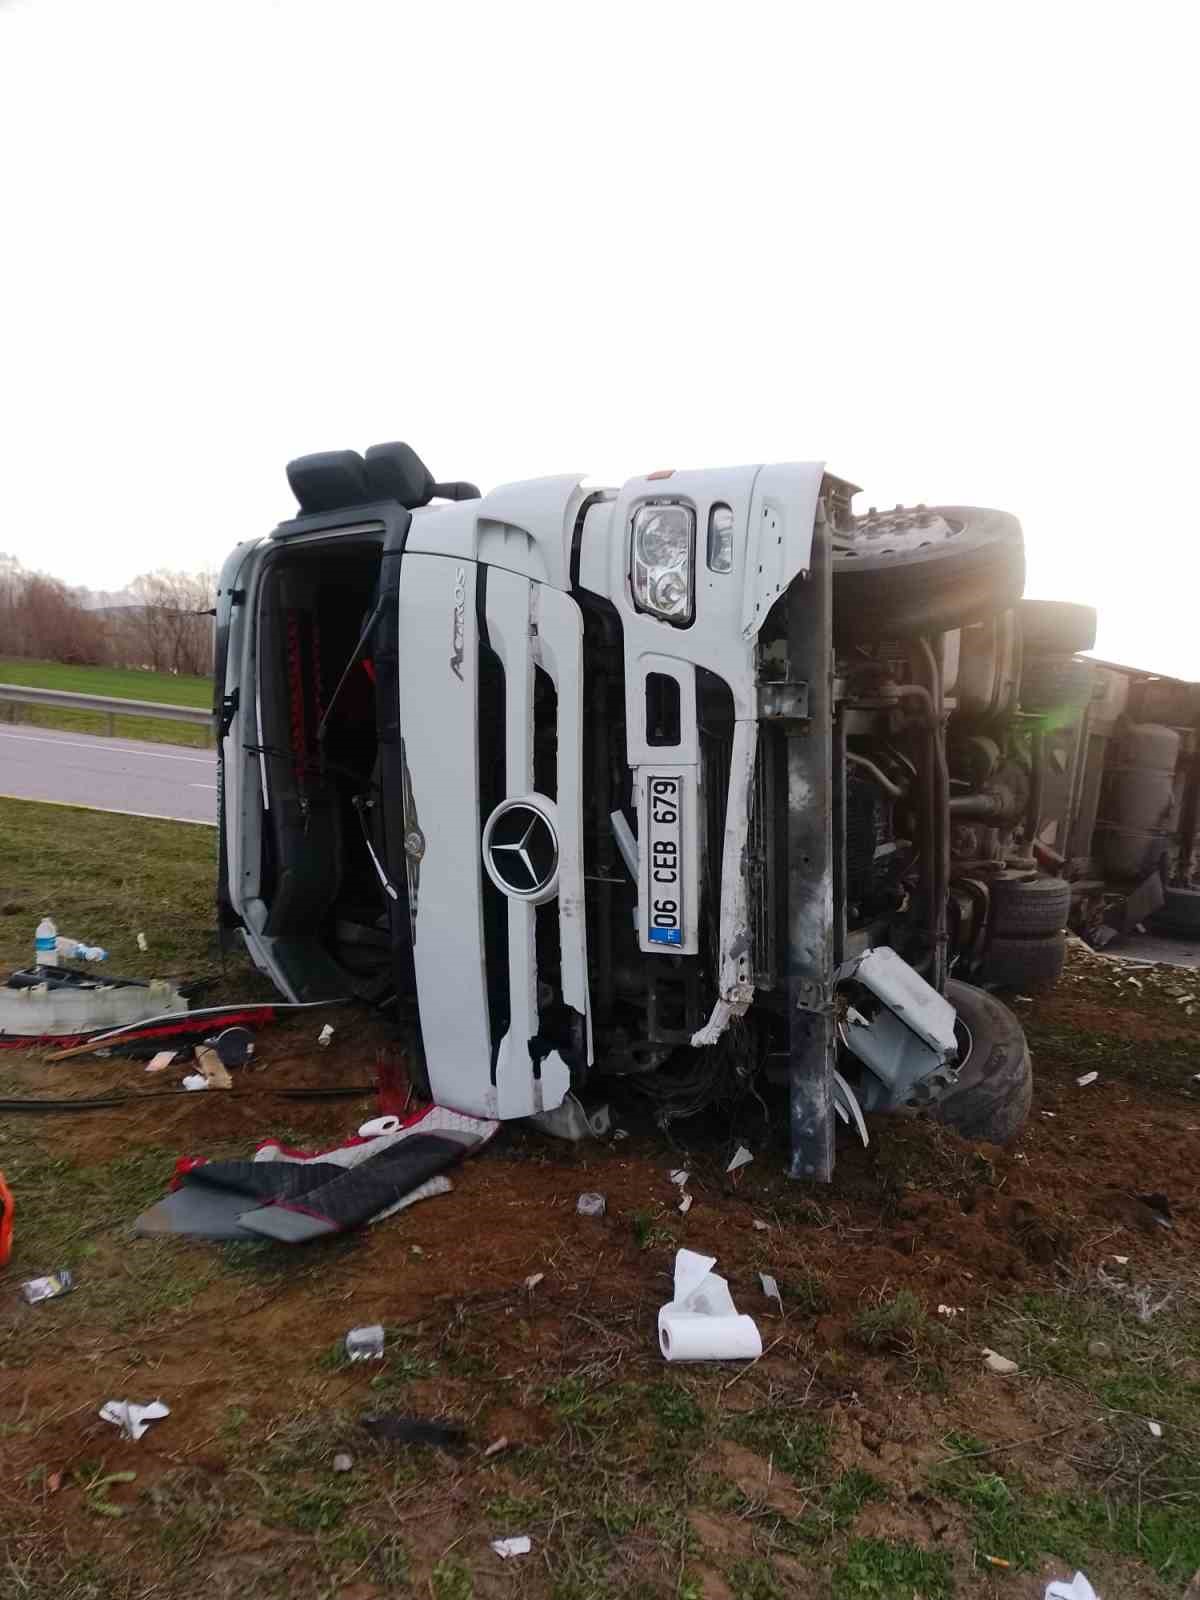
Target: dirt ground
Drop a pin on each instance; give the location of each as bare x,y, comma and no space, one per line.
869,1452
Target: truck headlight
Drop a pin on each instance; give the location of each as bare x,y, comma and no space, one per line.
664,537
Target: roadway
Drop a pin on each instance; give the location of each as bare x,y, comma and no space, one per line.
124,775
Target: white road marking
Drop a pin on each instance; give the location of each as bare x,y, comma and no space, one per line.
109,750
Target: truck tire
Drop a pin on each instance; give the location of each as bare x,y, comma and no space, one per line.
924,570
1027,910
991,1098
1180,912
1056,627
1050,685
1024,964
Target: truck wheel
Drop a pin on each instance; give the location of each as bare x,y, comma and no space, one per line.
1025,964
1056,627
1028,909
924,570
1180,912
991,1098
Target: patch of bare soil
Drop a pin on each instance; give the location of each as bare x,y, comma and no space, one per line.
237,1352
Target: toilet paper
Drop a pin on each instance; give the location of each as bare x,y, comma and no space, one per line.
702,1323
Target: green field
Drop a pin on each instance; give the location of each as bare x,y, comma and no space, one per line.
125,683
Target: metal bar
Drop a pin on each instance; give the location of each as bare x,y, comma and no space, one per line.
810,867
23,694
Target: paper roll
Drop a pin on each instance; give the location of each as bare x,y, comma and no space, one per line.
687,1336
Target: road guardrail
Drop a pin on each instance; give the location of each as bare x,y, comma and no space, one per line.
15,694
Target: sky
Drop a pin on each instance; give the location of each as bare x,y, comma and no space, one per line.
947,249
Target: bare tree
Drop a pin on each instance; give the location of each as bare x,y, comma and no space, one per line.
39,616
170,623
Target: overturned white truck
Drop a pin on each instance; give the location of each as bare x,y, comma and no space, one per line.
681,781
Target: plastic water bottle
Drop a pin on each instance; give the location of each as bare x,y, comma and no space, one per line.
45,943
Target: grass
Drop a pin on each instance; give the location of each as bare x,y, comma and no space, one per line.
126,683
891,1569
105,878
123,683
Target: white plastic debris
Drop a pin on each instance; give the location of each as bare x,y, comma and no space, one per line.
1155,1429
702,1323
1122,1261
133,1419
591,1205
520,1546
770,1288
343,1462
741,1158
1088,1077
496,1446
760,1227
685,1204
325,1035
950,1311
162,1060
141,943
365,1344
1078,1589
378,1126
998,1363
534,1278
195,1080
620,1133
680,1176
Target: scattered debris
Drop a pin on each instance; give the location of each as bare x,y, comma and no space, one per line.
998,1561
343,1462
702,1323
591,1205
573,1121
1078,1589
620,1133
760,1227
49,1287
770,1288
998,1363
1159,1205
950,1311
234,1046
161,1061
141,943
212,1068
519,1546
365,1344
496,1446
1122,1261
414,1430
1155,1429
325,1035
195,1080
1088,1077
378,1126
685,1204
133,1419
532,1281
1140,1295
741,1158
680,1176
1099,1350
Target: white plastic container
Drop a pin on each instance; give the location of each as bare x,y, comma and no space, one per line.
45,944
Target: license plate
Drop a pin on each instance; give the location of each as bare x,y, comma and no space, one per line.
664,900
